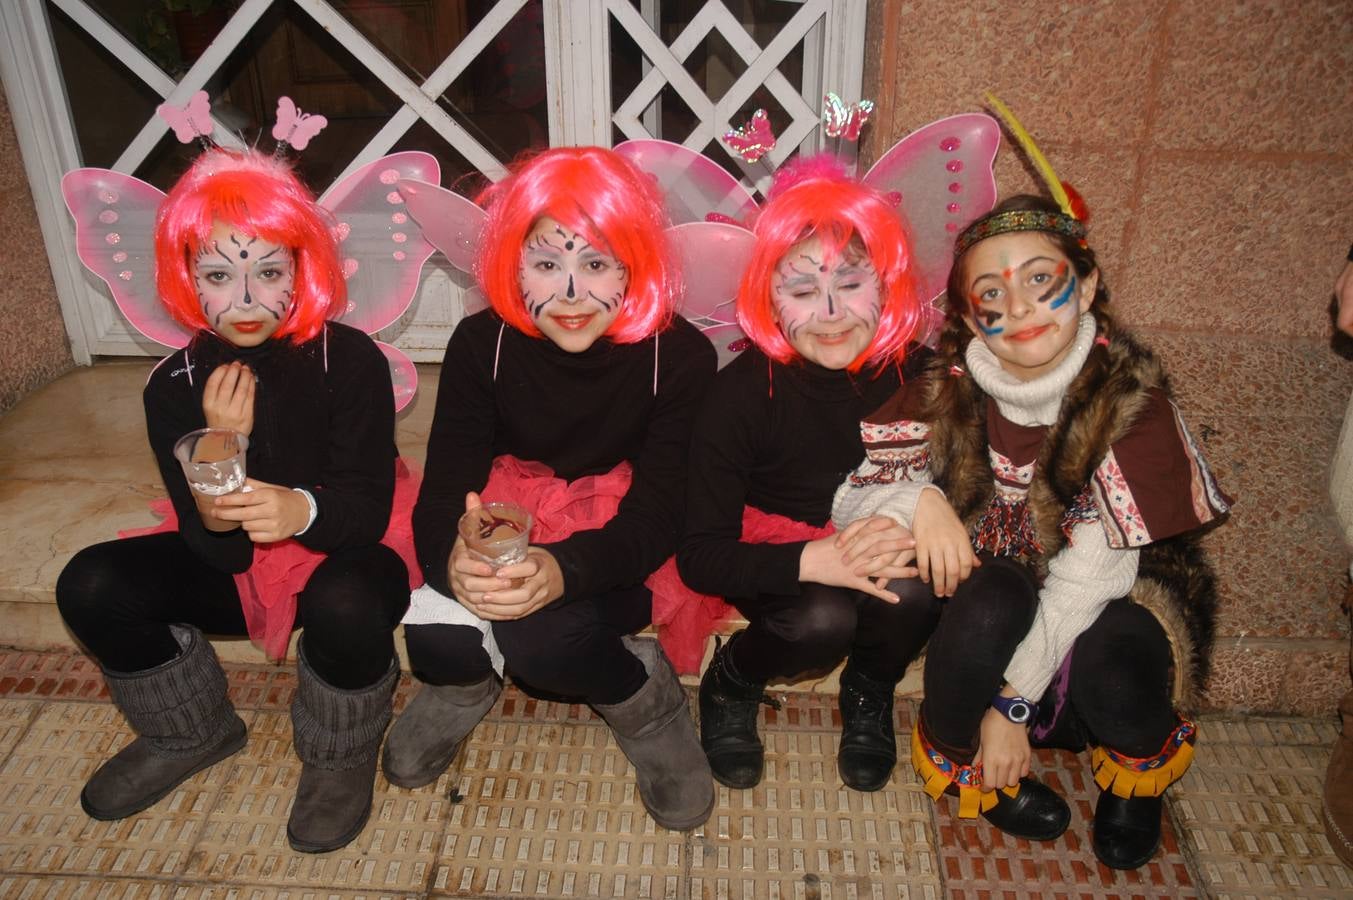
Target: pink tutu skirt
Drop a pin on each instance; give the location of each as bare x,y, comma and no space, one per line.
280,570
683,618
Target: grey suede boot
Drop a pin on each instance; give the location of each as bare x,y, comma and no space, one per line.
184,722
426,736
337,734
655,731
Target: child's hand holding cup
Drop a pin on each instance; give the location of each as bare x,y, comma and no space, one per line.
212,460
496,533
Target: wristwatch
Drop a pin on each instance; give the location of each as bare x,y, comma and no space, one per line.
1016,709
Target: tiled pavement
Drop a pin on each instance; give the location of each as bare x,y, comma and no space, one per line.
541,804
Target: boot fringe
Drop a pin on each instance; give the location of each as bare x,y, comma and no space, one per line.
1147,776
939,775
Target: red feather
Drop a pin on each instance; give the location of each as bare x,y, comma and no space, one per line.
1078,206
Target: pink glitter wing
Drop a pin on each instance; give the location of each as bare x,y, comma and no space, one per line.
695,186
942,177
190,120
713,256
381,245
114,237
754,140
449,221
294,127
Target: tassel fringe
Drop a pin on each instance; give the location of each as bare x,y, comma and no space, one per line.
1130,776
938,774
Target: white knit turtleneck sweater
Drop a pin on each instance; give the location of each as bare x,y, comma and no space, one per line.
1082,578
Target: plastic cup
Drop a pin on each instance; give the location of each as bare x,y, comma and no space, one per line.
212,460
497,533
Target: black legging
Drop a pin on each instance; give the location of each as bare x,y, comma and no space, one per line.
120,597
567,649
1118,684
789,634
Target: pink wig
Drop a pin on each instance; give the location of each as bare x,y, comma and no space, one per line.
813,198
600,195
260,196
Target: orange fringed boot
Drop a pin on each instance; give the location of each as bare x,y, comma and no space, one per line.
1127,817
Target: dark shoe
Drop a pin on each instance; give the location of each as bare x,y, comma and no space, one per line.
426,736
1036,813
1339,787
654,729
337,734
331,807
137,777
185,723
868,749
728,708
1126,832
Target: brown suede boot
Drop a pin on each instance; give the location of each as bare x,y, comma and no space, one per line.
1339,787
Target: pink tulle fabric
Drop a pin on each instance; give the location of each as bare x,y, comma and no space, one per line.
683,618
280,570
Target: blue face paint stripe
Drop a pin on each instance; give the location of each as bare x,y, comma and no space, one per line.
1065,296
989,332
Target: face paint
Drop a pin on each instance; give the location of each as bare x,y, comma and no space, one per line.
244,283
1024,282
828,310
572,290
1061,286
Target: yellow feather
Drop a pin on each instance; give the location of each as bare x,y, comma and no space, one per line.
1039,160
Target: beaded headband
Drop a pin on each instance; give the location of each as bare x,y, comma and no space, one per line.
1070,221
1018,220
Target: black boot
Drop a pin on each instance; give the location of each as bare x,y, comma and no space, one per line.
1126,831
336,733
868,749
1036,813
728,708
184,722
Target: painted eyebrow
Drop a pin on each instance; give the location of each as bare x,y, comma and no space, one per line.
1019,268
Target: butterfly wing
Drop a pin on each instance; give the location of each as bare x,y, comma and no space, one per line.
449,221
114,237
694,185
381,245
713,256
403,375
943,174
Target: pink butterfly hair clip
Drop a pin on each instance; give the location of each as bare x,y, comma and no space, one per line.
295,128
190,121
754,140
844,120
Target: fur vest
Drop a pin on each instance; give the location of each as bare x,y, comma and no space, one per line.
1174,579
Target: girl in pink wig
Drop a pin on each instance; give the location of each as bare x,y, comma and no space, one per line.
829,303
246,257
572,395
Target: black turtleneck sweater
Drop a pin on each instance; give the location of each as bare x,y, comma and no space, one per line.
780,438
580,414
329,432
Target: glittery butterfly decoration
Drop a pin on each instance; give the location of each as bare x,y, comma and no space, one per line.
844,120
294,127
382,249
192,120
754,140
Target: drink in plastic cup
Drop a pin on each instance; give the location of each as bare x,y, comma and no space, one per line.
212,460
497,533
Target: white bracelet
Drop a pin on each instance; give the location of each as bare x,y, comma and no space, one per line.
314,509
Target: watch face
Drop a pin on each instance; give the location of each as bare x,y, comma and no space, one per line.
1018,712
